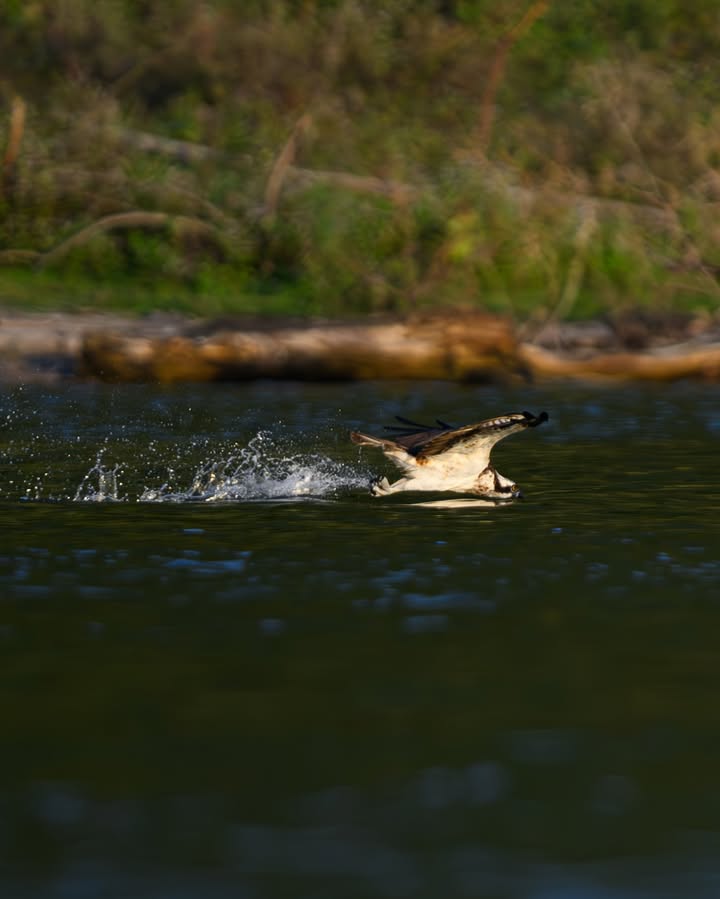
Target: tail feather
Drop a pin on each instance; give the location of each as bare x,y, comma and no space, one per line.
367,440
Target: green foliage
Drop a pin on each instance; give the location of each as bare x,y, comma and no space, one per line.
616,102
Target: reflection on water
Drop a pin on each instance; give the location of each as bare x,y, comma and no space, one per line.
232,672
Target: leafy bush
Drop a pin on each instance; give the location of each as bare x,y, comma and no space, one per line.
348,156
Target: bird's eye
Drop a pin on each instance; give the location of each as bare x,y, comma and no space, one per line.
514,488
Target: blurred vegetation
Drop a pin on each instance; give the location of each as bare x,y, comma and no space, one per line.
342,156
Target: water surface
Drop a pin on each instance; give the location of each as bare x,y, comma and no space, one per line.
229,671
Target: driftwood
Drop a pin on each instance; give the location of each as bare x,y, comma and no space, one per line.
687,361
286,176
398,191
472,347
179,150
463,346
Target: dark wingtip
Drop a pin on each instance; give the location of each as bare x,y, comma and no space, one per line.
535,420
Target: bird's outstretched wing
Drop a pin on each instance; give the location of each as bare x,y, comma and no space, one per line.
475,438
425,441
412,436
413,444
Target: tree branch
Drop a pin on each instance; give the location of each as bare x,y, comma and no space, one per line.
497,70
125,221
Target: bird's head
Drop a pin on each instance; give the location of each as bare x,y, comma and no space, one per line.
494,485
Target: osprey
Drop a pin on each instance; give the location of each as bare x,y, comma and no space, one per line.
441,457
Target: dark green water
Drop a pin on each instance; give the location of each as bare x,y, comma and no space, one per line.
227,671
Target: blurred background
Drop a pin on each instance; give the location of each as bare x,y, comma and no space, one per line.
227,671
341,157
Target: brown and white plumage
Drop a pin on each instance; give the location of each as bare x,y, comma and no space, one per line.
443,458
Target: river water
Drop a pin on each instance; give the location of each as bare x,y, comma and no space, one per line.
228,671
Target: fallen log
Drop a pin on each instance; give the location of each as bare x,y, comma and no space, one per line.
684,361
462,347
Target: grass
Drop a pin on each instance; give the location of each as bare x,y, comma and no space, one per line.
45,292
338,158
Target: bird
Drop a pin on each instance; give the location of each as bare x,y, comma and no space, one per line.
441,457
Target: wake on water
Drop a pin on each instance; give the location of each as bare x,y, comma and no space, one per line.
258,471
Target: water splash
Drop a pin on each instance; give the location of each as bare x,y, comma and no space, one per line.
261,470
200,469
100,484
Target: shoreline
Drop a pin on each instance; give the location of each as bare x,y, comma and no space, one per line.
52,347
